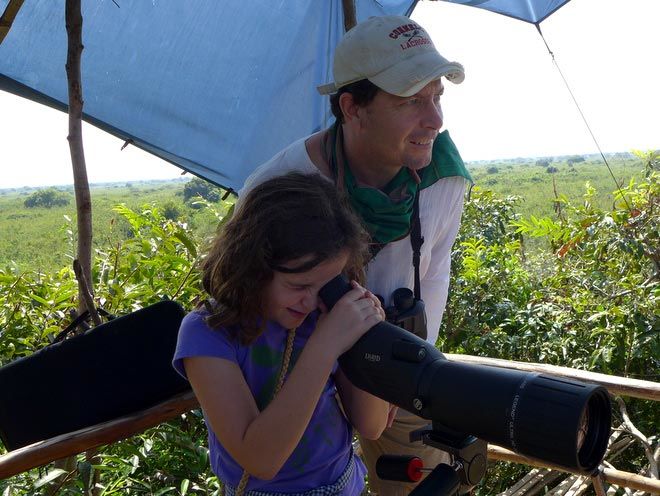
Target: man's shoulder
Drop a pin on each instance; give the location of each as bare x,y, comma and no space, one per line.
293,158
443,186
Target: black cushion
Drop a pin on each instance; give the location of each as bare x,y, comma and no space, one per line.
112,370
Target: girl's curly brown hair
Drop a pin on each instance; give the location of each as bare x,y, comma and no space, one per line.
280,220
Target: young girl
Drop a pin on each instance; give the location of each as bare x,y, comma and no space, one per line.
262,355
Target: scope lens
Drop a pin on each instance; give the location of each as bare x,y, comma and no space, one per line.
583,428
594,430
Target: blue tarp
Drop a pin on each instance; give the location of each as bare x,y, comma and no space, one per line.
214,87
533,11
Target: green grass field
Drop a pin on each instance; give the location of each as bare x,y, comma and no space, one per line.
41,238
537,187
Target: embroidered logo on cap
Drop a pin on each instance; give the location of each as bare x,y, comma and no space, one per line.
405,31
414,33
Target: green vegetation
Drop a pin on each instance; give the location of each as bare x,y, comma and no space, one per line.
198,188
586,297
529,180
47,198
43,239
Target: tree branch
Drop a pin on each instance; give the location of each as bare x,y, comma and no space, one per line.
648,449
74,22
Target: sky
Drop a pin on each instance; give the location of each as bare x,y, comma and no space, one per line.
513,102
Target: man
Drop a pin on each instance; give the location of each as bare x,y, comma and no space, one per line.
385,150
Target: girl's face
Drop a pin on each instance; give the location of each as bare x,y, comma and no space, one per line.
289,298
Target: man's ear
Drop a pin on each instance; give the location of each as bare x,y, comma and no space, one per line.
349,108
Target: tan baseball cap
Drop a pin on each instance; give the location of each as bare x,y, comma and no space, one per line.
393,52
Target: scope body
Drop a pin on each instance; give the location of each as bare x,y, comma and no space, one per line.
561,421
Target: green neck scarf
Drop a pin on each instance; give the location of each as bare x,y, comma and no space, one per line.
387,212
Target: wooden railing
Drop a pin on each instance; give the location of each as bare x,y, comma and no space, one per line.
44,452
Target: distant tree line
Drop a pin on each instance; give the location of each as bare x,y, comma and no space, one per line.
574,159
47,198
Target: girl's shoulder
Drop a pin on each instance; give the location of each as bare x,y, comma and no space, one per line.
196,321
196,338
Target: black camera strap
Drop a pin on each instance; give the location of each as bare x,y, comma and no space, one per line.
416,241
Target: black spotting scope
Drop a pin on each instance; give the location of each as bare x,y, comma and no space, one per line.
557,420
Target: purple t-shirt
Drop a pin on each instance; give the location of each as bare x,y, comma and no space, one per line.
325,449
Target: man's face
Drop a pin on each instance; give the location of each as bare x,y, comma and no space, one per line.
399,131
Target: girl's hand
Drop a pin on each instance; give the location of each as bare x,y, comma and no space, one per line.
354,314
391,415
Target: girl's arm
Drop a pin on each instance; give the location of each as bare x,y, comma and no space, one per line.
366,413
261,442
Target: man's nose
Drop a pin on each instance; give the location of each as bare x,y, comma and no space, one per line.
433,117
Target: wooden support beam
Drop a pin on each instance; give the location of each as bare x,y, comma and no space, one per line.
350,19
8,16
599,484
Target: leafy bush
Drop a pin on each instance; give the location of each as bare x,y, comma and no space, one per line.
47,198
199,188
171,210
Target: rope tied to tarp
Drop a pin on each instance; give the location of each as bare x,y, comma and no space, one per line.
584,119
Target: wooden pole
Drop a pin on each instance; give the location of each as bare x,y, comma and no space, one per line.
350,18
8,16
83,262
74,23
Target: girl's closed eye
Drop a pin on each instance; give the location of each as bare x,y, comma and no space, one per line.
299,287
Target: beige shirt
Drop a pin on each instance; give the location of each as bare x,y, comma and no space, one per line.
440,207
